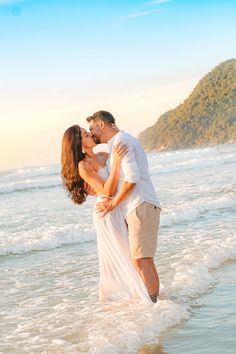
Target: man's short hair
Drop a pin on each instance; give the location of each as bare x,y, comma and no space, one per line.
105,116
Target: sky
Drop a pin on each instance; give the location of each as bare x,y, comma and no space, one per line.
63,60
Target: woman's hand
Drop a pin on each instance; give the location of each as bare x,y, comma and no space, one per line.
103,207
119,151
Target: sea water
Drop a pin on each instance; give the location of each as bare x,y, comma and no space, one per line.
49,267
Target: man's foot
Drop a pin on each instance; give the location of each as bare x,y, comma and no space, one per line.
153,298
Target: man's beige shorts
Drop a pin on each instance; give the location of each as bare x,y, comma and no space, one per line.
143,224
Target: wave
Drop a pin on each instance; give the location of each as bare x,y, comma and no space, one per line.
182,214
126,325
193,269
15,176
123,326
27,184
66,235
30,189
158,168
137,325
47,243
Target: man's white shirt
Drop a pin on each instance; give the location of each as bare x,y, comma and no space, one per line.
134,169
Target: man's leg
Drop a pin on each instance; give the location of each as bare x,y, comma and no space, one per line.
143,225
156,274
147,270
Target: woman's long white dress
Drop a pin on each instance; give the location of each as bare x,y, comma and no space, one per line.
118,277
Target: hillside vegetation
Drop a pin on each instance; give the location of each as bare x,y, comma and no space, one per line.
206,117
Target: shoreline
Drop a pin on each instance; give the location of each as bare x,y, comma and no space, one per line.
211,324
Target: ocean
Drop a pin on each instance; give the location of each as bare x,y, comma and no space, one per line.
49,267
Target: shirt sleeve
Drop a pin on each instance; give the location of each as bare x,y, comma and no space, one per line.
129,163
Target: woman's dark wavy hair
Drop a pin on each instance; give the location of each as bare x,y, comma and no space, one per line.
71,155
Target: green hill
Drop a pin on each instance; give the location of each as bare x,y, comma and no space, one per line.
206,117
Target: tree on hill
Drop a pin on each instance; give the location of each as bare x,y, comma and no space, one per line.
206,117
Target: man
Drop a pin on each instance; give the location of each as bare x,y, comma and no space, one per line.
135,195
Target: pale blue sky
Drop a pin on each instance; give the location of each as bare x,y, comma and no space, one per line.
61,60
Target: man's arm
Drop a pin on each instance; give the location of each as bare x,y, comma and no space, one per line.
131,177
129,164
126,188
109,205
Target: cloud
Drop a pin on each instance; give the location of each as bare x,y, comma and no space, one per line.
157,2
144,12
138,14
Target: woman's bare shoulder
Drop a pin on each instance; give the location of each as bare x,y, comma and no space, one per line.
85,165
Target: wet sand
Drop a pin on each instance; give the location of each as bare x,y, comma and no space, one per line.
211,328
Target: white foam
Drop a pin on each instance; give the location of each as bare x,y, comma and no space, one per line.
40,177
49,239
175,161
132,327
29,184
180,213
53,236
87,326
193,268
49,299
192,279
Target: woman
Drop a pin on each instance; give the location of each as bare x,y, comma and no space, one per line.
84,172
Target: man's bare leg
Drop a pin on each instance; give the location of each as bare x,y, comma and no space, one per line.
156,274
147,270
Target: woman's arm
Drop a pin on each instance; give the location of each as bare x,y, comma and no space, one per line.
91,177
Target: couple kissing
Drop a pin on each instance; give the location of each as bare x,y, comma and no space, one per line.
127,209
